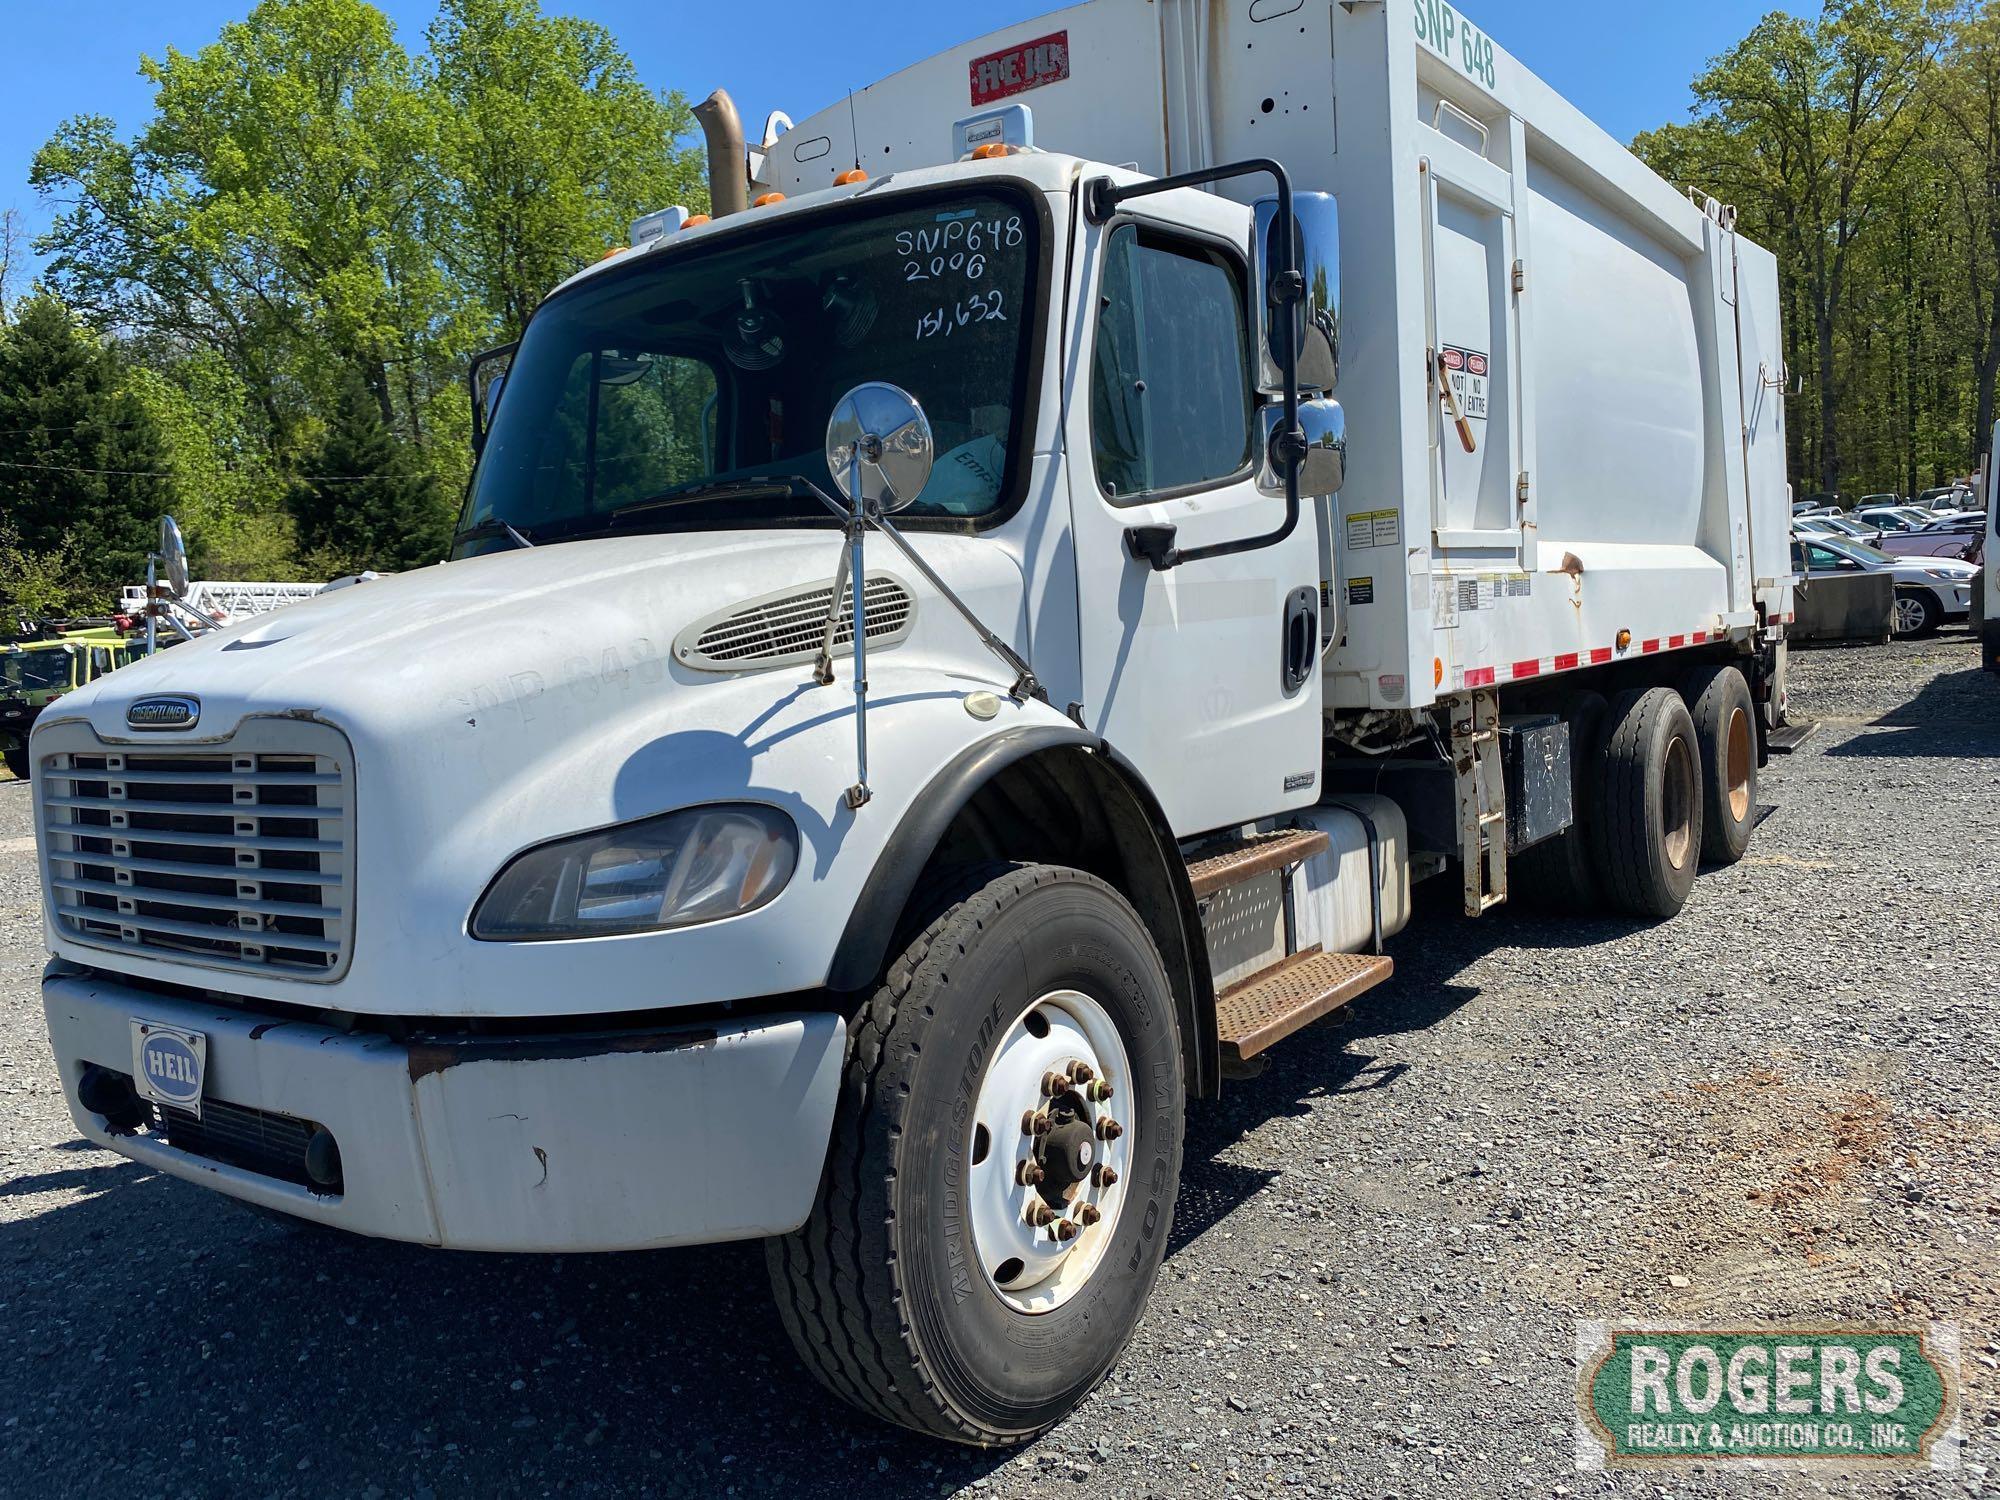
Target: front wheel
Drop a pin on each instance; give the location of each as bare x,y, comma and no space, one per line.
1003,1169
1917,612
17,760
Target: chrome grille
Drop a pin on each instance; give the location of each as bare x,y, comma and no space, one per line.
789,627
233,855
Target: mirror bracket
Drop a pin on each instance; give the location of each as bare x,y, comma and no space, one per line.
1153,545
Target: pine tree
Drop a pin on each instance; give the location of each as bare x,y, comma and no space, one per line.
80,461
367,501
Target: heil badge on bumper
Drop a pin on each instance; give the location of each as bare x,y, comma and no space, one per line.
168,1065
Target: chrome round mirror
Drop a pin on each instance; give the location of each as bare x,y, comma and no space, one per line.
878,442
173,552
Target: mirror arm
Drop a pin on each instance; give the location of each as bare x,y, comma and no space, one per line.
479,361
1026,684
1287,289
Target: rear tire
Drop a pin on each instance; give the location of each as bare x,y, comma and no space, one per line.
1917,613
1725,724
888,1291
1647,837
1559,874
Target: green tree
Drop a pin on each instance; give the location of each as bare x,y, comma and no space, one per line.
549,146
368,501
81,463
1805,124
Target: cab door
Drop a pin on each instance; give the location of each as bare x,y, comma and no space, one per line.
1204,677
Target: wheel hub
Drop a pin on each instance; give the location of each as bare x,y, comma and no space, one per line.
1048,1155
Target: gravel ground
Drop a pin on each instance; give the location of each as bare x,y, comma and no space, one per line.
1782,1103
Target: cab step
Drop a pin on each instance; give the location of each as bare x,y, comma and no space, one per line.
1269,1007
1788,737
1233,861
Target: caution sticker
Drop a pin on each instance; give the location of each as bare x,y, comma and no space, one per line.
1468,369
1360,591
1374,528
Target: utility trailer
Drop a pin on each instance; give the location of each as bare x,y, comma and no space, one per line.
927,686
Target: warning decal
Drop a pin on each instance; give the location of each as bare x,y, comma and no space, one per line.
1360,591
1468,369
1374,528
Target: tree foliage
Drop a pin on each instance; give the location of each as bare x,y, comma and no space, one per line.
81,462
368,503
1863,147
310,204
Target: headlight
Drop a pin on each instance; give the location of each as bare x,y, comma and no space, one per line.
1946,574
697,865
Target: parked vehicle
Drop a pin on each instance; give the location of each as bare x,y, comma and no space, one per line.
1909,532
1837,526
1872,501
1930,591
1989,613
926,688
1950,497
35,671
1825,503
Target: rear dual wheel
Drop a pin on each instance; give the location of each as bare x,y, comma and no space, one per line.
1725,723
1003,1169
1646,837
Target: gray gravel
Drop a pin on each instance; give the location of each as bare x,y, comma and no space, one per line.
1782,1103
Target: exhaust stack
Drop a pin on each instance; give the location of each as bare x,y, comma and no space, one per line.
728,180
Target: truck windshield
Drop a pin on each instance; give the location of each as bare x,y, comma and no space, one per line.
33,671
650,396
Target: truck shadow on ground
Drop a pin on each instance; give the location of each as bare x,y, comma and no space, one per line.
1954,717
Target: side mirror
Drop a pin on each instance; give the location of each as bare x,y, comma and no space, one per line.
173,552
485,375
879,448
1316,252
1324,468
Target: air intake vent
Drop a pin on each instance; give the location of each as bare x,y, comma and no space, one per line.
787,627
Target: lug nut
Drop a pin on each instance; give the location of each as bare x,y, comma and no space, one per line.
1039,1213
1108,1129
1098,1091
1088,1214
1103,1176
1053,1084
1035,1122
1081,1072
1029,1172
1064,1230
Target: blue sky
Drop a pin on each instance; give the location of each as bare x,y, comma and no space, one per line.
1627,66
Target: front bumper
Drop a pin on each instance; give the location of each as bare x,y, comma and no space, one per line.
618,1141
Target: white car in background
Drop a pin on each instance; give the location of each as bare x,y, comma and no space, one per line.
1929,590
1840,526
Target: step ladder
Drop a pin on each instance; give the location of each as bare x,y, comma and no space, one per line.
1482,798
1302,986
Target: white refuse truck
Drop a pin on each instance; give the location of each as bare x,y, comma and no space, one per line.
929,684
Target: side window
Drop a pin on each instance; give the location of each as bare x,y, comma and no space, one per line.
1820,559
100,660
1171,405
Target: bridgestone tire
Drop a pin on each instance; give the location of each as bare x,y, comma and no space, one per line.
1725,725
880,1289
1647,837
1559,874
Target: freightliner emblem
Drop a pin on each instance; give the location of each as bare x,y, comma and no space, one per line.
174,712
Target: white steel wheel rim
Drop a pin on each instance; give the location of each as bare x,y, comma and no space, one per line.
1031,1266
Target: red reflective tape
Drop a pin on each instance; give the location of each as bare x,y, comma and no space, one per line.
1479,677
1675,642
1649,647
1527,669
1600,655
1566,662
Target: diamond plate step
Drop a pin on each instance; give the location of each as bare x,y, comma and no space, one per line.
1236,860
1271,1007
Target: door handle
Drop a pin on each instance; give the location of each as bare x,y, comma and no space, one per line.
1301,637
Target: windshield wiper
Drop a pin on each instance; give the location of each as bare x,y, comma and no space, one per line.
765,488
487,530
